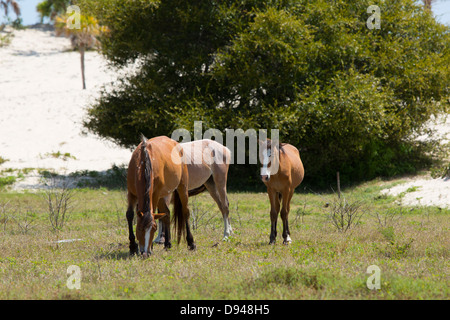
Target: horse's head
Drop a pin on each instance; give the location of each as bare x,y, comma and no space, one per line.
145,230
268,156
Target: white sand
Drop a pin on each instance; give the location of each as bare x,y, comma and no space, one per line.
423,192
42,105
420,191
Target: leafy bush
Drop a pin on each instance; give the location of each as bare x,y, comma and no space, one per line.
349,97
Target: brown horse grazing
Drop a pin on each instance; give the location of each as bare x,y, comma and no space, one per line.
282,171
154,173
207,162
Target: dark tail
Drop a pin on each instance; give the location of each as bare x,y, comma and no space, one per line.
196,191
147,173
179,220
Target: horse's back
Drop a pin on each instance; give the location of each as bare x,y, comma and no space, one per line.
163,144
198,146
205,158
167,155
167,170
221,153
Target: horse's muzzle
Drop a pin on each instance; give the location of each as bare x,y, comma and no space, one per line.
265,178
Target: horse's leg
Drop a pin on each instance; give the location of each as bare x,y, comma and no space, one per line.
164,224
163,206
274,210
183,194
130,216
218,192
161,232
287,196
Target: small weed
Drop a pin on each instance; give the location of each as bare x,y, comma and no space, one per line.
5,40
413,189
388,217
8,180
3,160
59,155
300,213
25,219
397,246
201,216
59,200
345,214
388,234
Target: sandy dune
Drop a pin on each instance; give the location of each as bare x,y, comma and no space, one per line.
42,105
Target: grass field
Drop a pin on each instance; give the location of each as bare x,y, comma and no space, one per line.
409,245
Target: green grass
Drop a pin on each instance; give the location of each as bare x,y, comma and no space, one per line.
321,262
59,155
5,40
7,180
2,160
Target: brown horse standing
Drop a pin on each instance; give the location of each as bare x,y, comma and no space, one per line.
155,172
282,171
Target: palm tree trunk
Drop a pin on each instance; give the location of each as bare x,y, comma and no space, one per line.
427,4
82,65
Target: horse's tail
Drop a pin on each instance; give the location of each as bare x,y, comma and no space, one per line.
145,159
197,191
179,220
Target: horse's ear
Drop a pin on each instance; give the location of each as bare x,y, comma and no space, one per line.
263,142
158,215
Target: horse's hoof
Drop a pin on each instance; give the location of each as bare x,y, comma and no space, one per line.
287,240
159,241
225,238
272,242
133,249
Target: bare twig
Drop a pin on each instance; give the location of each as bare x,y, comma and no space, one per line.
387,218
345,214
59,199
24,221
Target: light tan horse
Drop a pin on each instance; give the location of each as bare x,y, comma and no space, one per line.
207,162
282,171
155,172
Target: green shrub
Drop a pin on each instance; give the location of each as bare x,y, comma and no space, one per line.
8,180
349,97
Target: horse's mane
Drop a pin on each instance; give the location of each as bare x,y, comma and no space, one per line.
145,158
280,144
